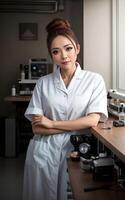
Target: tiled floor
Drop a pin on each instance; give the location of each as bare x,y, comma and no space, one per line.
11,177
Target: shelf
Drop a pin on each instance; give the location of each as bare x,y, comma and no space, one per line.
32,6
28,81
18,98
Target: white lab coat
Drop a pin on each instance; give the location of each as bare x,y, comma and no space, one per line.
45,176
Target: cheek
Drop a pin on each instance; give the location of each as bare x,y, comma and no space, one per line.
73,55
56,58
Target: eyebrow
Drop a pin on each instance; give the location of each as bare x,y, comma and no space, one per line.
63,46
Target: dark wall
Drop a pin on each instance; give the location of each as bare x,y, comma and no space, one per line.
14,51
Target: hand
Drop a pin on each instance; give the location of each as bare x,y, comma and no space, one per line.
42,121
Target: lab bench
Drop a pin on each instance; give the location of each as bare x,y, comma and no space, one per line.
85,188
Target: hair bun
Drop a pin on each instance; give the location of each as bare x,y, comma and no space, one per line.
57,24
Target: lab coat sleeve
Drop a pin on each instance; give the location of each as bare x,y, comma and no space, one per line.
35,104
98,100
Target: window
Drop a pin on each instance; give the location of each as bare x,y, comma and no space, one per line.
118,45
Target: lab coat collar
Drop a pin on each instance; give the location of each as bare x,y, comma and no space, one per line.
59,82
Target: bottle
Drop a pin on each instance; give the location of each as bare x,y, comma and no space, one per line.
13,90
109,99
22,72
122,113
22,75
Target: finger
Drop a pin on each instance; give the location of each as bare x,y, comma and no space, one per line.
36,116
36,121
36,124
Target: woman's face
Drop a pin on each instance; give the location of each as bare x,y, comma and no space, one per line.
64,52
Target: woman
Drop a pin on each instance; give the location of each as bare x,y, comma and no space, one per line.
63,103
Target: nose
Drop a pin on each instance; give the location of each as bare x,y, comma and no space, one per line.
64,55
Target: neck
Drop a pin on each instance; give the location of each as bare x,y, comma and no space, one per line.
67,75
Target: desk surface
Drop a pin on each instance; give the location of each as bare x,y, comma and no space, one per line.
113,138
18,98
79,179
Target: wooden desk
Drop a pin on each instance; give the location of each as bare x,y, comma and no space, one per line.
79,179
113,138
18,98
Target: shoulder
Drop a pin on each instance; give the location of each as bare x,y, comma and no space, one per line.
91,75
92,79
43,82
45,78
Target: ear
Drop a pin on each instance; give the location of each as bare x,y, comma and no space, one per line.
77,48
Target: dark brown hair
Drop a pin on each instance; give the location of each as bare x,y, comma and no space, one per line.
58,27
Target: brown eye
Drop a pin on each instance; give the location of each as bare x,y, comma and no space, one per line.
69,48
55,52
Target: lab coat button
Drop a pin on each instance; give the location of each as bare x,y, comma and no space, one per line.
63,113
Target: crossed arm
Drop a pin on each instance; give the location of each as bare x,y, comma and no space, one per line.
44,126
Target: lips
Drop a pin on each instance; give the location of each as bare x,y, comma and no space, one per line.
65,63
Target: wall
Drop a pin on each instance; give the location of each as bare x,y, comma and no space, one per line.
97,38
14,51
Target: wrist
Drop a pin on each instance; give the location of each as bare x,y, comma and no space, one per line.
53,124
